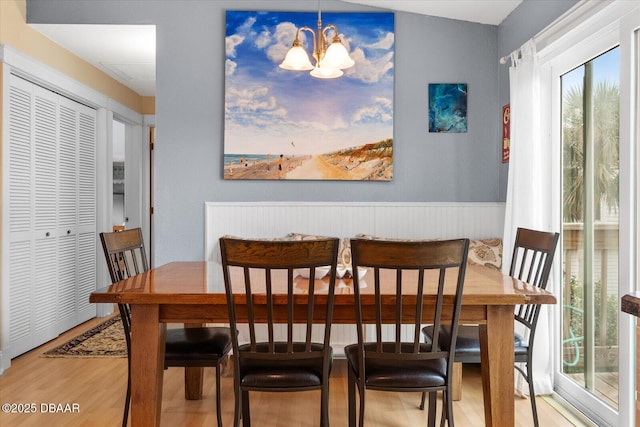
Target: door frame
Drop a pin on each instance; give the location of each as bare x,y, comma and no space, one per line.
136,181
586,31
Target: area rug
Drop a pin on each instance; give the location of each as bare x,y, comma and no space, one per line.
104,340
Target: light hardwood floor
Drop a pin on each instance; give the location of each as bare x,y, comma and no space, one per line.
97,386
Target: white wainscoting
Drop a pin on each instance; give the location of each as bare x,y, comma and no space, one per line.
393,220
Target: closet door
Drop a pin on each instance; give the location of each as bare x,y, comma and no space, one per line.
86,225
67,214
52,227
76,213
20,216
45,210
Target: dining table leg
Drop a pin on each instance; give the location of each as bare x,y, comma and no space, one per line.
497,357
193,376
148,336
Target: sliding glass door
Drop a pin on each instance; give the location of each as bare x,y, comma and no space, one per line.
589,81
590,194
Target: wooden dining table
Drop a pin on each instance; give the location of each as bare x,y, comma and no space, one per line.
194,293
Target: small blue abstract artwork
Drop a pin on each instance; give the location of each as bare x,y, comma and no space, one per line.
448,107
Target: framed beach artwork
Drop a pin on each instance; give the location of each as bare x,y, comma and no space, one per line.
448,107
288,125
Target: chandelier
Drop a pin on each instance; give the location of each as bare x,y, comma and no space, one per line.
330,59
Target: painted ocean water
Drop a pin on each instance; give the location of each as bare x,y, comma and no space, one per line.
248,159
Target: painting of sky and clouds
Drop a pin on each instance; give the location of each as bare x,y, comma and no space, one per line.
282,124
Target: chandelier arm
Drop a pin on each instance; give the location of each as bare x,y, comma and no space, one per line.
325,39
316,52
335,31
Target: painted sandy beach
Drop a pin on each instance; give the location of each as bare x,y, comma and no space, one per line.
367,162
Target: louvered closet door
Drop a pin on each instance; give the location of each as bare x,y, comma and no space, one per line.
87,239
52,251
76,213
67,214
45,297
20,216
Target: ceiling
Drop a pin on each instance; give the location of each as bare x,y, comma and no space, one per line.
127,52
482,11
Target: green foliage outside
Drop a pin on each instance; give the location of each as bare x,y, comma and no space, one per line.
576,320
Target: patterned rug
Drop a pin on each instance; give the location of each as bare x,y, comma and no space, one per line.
104,340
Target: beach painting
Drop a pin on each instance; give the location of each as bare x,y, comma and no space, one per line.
287,125
448,107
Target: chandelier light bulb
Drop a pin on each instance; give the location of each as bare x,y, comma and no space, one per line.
337,56
323,72
297,59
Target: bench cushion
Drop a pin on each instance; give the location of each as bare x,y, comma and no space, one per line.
487,252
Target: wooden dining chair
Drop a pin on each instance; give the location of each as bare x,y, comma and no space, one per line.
267,277
427,278
533,254
185,347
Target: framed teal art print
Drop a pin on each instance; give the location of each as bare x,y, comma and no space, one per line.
448,107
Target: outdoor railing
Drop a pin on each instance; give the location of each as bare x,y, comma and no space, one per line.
603,346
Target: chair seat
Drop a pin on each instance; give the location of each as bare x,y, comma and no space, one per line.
468,341
290,372
197,344
390,373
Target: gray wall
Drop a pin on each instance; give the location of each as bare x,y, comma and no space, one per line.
190,109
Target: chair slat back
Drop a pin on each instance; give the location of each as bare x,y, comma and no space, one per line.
125,253
531,262
126,257
265,266
420,269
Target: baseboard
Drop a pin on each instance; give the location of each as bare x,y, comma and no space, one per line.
5,363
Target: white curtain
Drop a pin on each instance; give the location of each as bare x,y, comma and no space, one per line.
528,201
